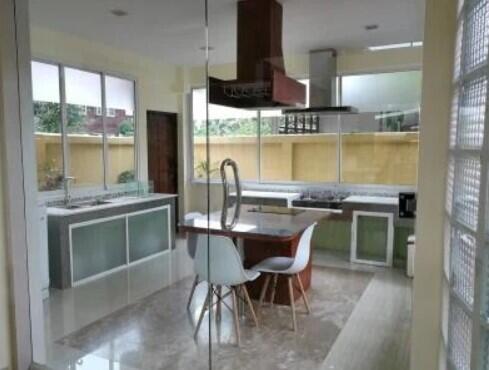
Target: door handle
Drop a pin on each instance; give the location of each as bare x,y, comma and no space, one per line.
225,185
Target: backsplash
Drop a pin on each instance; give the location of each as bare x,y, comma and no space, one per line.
81,195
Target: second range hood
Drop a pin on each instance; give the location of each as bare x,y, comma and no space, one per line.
323,85
261,78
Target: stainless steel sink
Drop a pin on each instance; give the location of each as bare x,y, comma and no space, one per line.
85,204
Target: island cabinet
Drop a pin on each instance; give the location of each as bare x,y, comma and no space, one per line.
89,245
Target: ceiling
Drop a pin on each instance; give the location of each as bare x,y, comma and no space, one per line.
173,31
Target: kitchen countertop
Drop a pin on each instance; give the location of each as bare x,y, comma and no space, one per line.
391,201
112,203
256,224
268,194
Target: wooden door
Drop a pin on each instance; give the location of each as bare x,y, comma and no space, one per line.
163,151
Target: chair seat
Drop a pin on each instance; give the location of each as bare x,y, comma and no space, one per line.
252,275
278,265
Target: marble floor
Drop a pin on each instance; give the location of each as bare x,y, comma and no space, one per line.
136,319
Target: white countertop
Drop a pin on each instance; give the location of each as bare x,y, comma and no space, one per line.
391,201
289,197
115,202
268,194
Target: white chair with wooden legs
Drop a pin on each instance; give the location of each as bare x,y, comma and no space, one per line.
289,267
191,248
220,265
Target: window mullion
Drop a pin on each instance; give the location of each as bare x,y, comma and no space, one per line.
105,144
64,122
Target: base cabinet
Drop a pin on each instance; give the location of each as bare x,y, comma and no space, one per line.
102,246
97,247
145,231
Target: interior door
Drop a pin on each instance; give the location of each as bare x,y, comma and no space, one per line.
163,152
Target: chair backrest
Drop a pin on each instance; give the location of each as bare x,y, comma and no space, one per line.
192,237
303,251
218,262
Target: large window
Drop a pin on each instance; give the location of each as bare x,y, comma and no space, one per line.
233,134
74,137
379,145
47,121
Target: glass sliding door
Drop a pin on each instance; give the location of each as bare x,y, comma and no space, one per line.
113,84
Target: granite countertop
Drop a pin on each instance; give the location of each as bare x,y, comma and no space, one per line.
111,203
256,224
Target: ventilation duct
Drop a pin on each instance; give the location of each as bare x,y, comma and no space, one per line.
261,78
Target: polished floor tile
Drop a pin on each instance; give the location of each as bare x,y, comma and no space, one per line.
136,319
157,331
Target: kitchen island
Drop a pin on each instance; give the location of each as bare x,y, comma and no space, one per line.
262,232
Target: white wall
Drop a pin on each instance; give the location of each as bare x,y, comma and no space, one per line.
435,113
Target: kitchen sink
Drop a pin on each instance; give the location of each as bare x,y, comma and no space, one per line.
85,204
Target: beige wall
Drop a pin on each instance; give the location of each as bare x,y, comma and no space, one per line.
5,334
350,61
367,158
435,113
5,359
158,84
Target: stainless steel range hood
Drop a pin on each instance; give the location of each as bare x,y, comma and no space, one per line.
323,85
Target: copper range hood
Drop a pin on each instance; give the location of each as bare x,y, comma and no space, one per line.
261,78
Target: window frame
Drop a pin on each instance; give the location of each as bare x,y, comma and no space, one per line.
64,136
296,185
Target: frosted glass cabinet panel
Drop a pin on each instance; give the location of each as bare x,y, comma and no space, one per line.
98,247
149,233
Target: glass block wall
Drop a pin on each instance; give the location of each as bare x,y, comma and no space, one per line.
466,232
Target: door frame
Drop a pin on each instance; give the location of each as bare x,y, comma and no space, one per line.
19,179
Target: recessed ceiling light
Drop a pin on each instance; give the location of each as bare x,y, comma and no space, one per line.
371,27
118,12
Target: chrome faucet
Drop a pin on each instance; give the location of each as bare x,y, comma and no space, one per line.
66,185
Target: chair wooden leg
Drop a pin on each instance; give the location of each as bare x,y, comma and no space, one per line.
264,289
202,312
236,316
192,291
250,304
274,288
218,308
303,293
292,305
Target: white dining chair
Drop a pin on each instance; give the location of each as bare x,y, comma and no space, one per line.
218,262
289,267
191,247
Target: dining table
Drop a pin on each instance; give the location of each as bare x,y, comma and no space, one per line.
261,232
